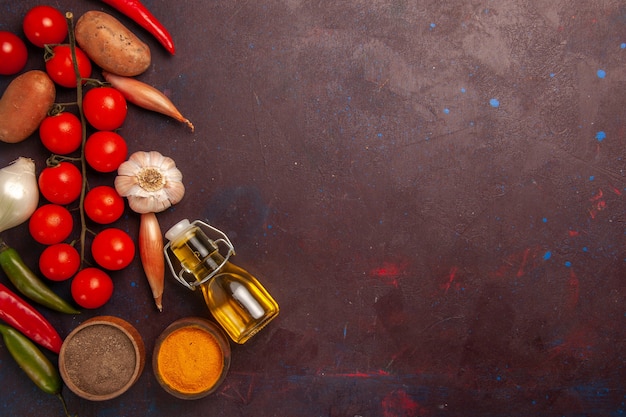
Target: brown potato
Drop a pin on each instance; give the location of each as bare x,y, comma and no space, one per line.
110,45
24,104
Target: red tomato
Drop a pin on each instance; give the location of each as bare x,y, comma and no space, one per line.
92,288
13,53
44,25
59,262
103,204
60,66
50,224
61,184
113,249
105,108
105,151
61,133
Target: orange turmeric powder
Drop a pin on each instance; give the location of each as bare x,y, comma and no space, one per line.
190,360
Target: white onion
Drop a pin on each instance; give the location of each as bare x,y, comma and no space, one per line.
19,195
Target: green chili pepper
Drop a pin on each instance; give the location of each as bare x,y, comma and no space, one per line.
32,360
28,283
34,363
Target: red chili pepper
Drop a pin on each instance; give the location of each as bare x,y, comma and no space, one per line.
135,10
21,315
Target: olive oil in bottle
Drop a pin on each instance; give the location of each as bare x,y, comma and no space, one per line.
236,299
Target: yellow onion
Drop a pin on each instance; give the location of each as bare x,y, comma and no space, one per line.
19,194
151,253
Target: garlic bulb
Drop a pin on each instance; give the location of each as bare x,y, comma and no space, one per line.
19,194
150,181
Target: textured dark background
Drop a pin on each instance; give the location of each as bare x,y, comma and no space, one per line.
432,190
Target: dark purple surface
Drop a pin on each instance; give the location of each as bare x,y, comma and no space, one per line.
432,191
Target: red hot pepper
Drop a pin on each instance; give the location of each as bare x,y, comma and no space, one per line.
21,315
136,11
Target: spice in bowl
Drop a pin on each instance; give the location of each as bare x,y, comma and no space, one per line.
102,358
191,358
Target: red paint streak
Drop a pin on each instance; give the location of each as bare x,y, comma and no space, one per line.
573,291
400,404
615,190
598,196
451,277
360,375
388,273
520,271
519,263
574,233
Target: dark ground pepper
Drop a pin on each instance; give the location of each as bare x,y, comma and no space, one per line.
100,359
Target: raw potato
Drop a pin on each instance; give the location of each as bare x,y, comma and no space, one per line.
109,44
24,104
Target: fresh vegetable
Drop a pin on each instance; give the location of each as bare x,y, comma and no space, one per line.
151,253
105,151
59,262
61,133
105,108
103,204
113,249
61,183
28,283
33,362
19,314
92,288
19,195
111,45
24,104
146,96
60,65
135,10
13,53
44,25
150,181
50,224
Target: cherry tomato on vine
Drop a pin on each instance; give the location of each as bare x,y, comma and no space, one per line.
59,262
92,288
50,224
44,25
60,66
103,204
105,108
61,133
61,184
113,249
13,53
105,151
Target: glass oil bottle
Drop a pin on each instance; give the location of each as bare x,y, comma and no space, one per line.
236,299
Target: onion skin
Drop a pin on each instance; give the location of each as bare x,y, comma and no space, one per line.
145,96
151,253
20,193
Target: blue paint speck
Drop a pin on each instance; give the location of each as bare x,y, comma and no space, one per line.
600,136
446,111
547,255
601,73
585,249
623,45
494,102
433,25
568,264
463,90
552,75
545,220
380,135
591,178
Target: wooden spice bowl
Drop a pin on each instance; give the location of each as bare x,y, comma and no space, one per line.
102,358
191,358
